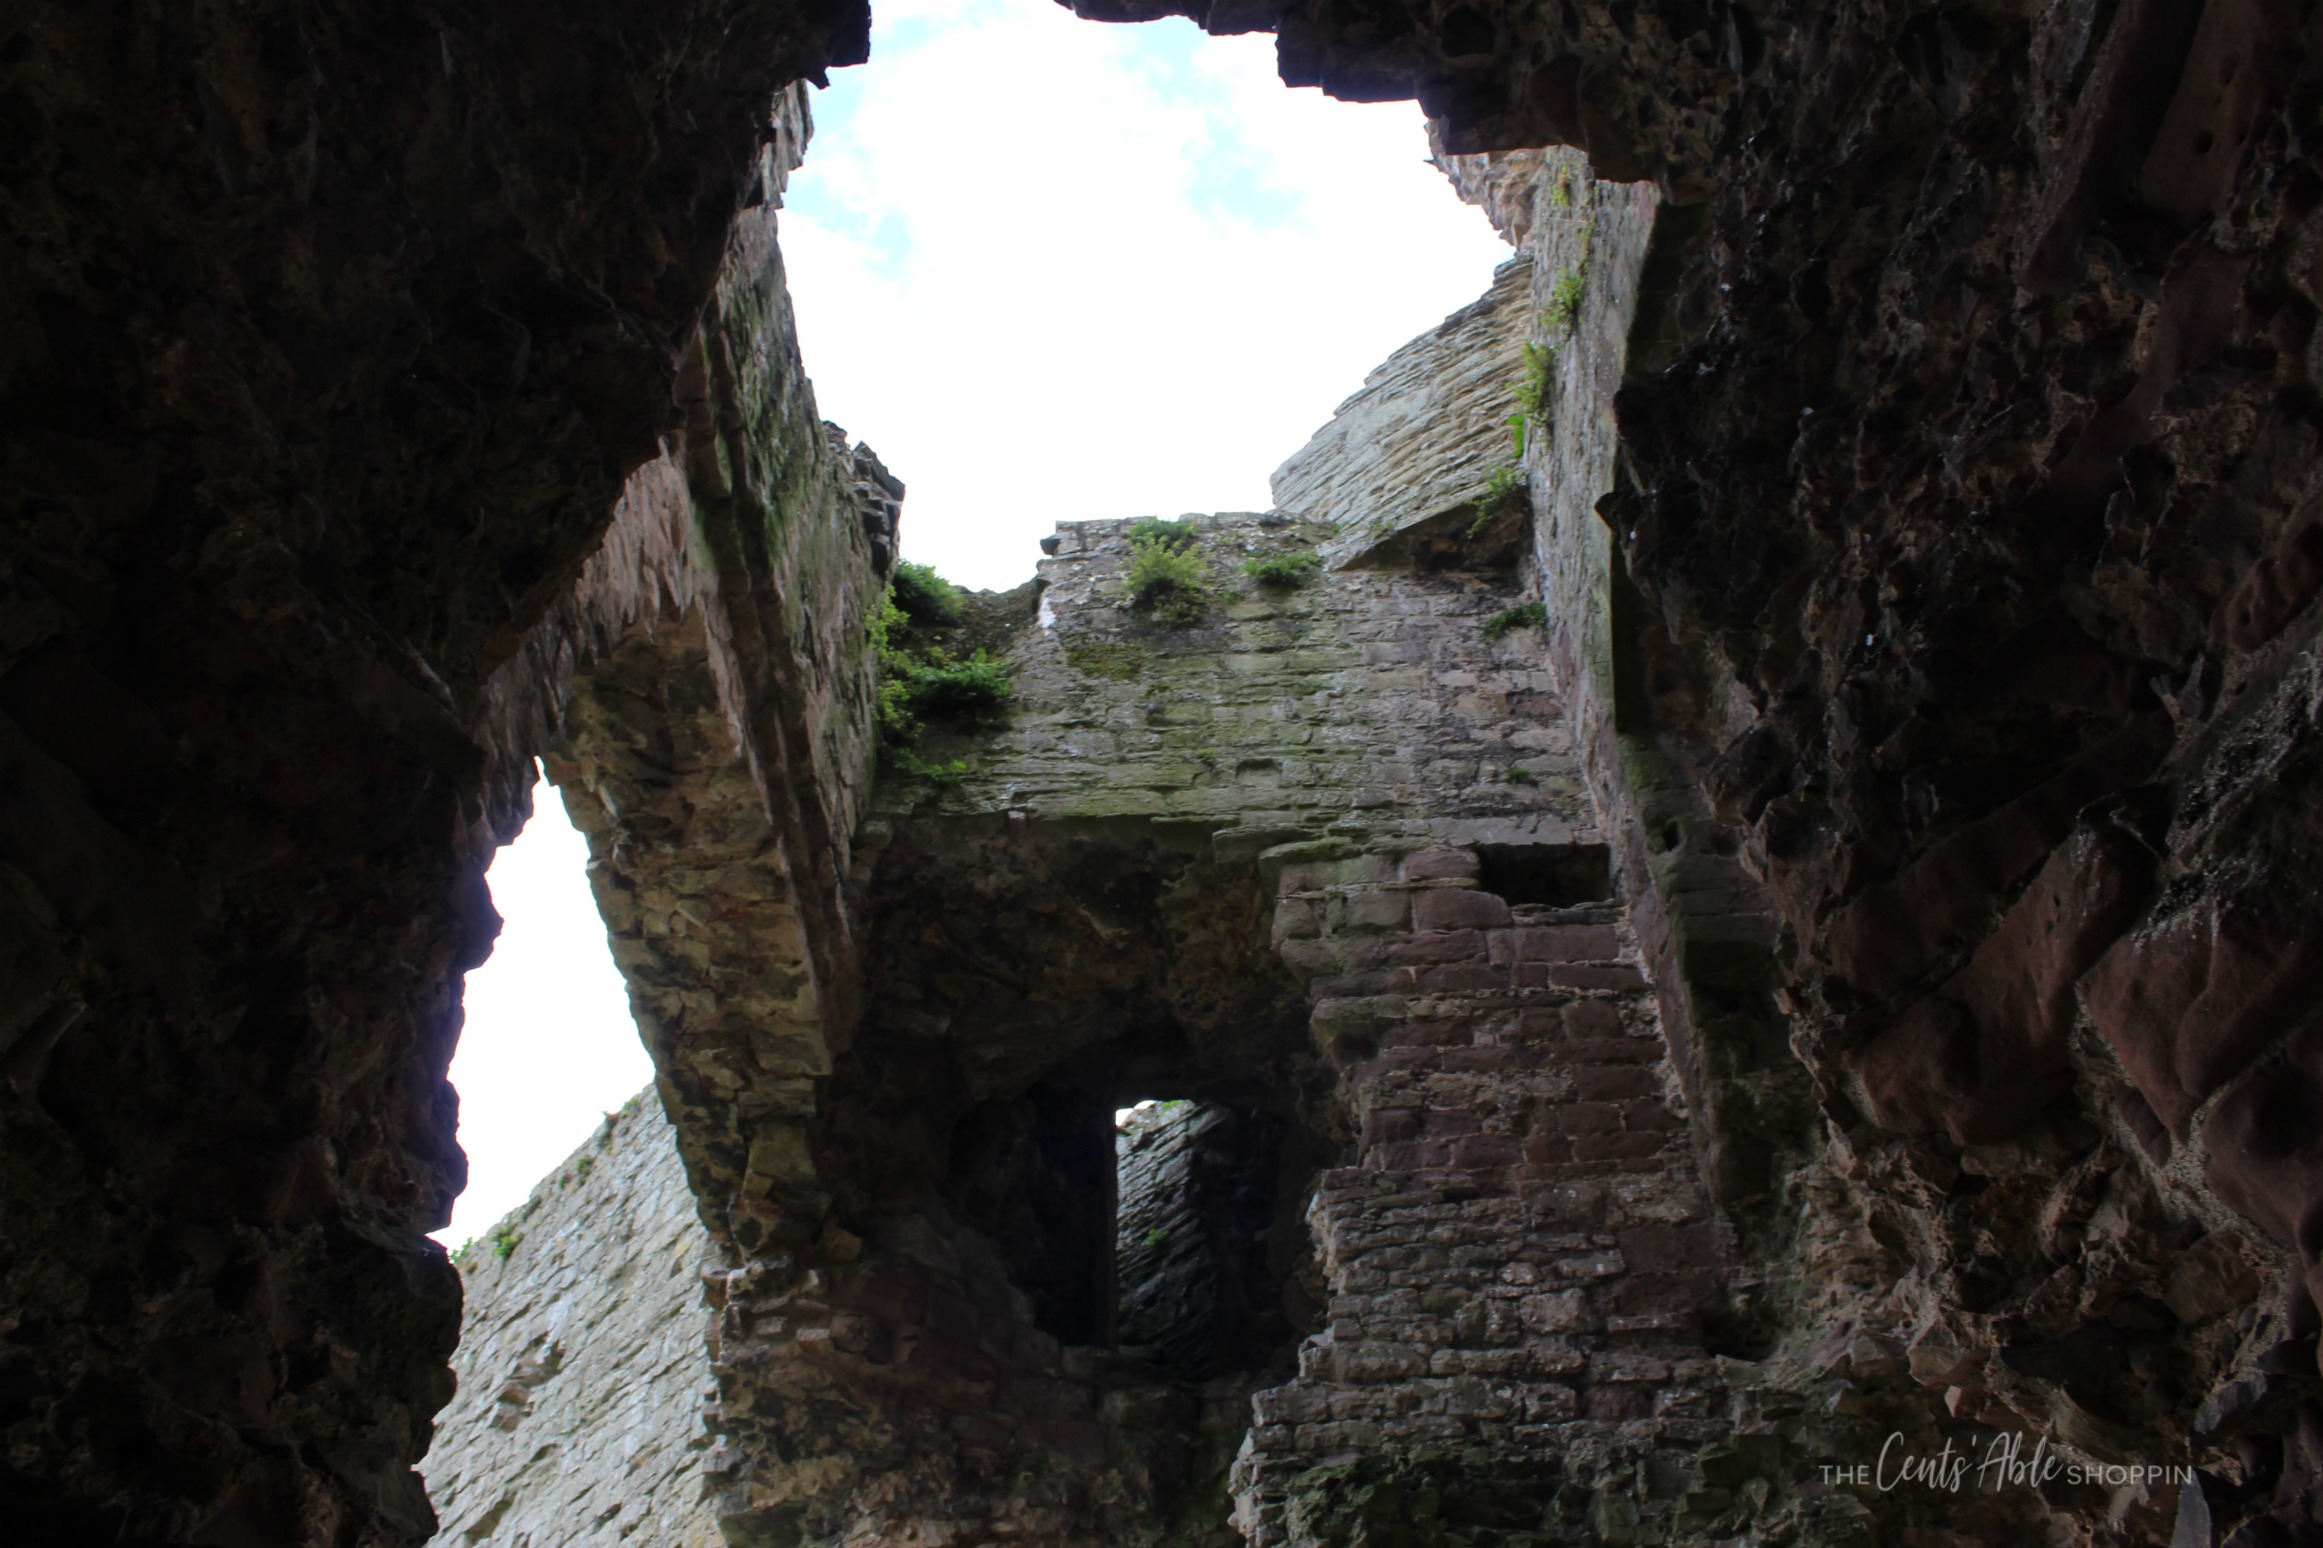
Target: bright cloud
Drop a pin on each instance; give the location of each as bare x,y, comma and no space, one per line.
1052,269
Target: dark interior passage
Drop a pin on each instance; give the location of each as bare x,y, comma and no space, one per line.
1197,1268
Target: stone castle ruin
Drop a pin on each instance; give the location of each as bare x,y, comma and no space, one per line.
1661,988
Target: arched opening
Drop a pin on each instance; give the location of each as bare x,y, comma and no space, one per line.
548,1046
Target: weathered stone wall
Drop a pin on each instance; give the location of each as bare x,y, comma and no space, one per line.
1420,439
1334,775
2004,1310
581,1367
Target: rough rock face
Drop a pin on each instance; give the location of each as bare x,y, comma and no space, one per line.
581,1367
331,347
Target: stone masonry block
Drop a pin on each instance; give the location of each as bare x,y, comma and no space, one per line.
1619,1146
1374,911
1295,919
1440,864
1485,1150
1646,1114
1562,943
1617,978
1588,1118
1592,1018
1457,908
1463,978
1608,1050
1611,1082
1430,1034
1442,946
1662,1249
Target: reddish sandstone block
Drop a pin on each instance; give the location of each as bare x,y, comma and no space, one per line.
1650,1293
1611,1082
1566,943
1531,975
1618,1146
1451,1123
1389,1125
1373,911
1306,956
1592,1018
1618,978
1614,1405
1548,1149
1362,985
1649,1114
1664,1249
1457,908
1439,864
1610,1050
1486,1150
1487,1059
1441,947
1588,1117
1463,978
1539,1021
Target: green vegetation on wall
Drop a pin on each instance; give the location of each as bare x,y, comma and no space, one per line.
1282,572
923,680
1525,615
1168,576
1564,301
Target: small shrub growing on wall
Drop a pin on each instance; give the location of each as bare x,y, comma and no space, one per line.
1167,574
1154,532
1525,615
1282,572
971,692
921,679
923,596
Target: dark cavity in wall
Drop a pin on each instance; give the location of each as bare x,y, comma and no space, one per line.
1546,875
1199,1274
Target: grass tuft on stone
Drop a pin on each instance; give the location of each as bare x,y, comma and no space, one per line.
1282,572
1564,307
1525,615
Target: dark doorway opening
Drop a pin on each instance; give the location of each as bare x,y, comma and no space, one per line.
1198,1283
1546,875
1169,1231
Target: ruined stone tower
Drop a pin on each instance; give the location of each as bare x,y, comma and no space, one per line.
1776,935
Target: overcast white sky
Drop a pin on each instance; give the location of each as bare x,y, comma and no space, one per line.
1050,270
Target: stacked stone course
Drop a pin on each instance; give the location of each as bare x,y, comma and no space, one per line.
1520,1256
